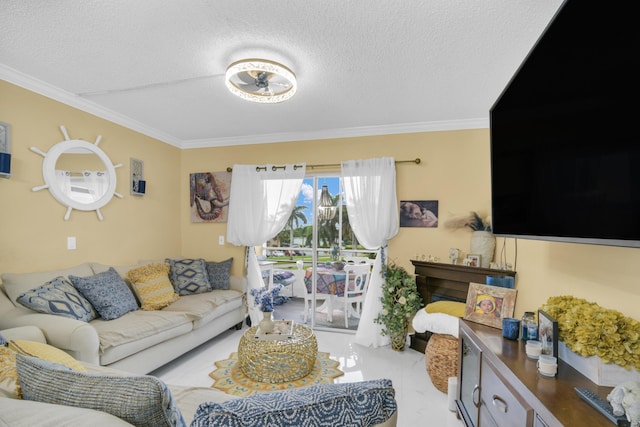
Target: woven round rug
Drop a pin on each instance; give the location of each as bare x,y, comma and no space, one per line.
230,379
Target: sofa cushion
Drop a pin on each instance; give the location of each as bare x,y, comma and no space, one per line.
152,285
283,277
58,297
363,403
137,331
45,352
206,307
219,273
8,374
189,276
107,292
141,400
15,284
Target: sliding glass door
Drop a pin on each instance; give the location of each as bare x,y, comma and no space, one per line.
309,252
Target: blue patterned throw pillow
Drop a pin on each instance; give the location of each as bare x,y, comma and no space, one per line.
219,273
58,297
284,278
189,276
141,400
107,292
364,403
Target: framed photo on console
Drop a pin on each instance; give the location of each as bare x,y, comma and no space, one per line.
548,333
489,304
473,260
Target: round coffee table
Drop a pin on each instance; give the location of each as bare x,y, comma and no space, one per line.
278,361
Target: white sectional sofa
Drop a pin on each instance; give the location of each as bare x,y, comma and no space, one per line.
59,396
138,341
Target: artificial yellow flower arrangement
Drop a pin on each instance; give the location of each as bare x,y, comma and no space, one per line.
590,330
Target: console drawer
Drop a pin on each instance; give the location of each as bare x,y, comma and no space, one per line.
507,409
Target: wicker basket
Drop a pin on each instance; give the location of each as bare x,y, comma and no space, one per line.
441,358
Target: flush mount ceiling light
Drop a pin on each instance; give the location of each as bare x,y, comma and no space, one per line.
261,80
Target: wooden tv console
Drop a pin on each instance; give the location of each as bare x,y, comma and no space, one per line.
498,385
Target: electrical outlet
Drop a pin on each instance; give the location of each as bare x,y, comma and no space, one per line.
221,240
71,243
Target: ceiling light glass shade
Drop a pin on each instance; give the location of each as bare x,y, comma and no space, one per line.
261,80
326,210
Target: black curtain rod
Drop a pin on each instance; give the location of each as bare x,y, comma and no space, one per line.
328,165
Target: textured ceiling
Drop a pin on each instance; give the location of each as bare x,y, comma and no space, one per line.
363,67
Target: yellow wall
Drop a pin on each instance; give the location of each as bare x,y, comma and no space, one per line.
33,233
455,171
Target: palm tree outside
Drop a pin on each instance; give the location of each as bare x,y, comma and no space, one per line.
297,217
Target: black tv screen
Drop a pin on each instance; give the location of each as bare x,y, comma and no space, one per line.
565,145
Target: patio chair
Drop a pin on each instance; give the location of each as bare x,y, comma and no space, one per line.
355,290
300,290
358,260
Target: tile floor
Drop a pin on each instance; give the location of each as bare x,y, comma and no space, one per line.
419,402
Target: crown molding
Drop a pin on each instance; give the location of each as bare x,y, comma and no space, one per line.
38,86
43,88
478,123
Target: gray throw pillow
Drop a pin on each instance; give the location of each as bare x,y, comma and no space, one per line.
141,400
60,298
107,292
219,273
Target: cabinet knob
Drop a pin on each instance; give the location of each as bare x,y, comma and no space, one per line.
499,403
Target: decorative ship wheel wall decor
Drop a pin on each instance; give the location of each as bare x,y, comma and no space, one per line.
90,187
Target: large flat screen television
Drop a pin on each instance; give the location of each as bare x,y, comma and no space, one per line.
565,132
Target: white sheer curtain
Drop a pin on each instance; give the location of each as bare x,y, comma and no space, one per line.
260,203
372,206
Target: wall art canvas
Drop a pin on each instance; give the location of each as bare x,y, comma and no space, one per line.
209,196
419,213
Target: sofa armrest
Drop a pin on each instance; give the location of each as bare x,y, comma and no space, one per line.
29,333
77,338
238,283
17,412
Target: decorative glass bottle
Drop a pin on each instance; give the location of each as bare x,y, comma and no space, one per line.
528,316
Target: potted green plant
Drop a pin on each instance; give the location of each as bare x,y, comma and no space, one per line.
400,301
